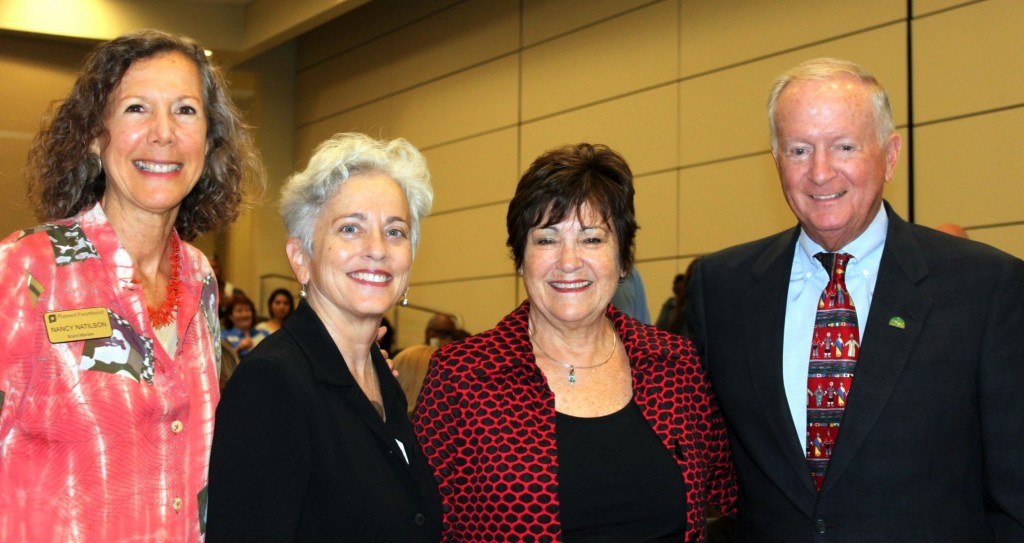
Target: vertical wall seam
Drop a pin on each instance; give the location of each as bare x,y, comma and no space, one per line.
911,124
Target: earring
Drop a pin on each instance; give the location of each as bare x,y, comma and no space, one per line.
405,299
302,292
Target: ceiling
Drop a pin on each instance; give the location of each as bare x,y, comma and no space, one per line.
235,30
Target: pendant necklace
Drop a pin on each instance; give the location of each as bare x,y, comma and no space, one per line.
573,367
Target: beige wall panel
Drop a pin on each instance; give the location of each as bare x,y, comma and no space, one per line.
1006,238
480,170
968,171
464,35
35,73
465,104
17,214
924,7
657,212
343,82
373,119
724,32
642,127
951,74
361,25
410,322
616,57
724,114
544,19
728,203
479,305
467,244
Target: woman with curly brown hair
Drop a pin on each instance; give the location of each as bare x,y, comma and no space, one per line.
108,379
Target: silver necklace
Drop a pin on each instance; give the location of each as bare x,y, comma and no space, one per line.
572,367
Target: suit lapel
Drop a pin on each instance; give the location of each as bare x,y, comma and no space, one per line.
886,345
361,405
764,320
330,369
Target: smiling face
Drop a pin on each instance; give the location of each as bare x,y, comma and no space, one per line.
241,316
832,166
571,269
361,256
154,142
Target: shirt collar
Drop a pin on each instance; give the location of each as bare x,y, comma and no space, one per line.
862,248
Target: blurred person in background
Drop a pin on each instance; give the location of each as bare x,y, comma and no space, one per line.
280,304
239,332
440,329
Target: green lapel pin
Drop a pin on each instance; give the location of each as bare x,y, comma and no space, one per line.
897,322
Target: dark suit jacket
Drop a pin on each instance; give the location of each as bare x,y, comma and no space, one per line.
299,454
931,447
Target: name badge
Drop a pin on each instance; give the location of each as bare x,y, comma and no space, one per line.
77,325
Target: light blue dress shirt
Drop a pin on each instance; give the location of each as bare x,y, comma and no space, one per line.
807,280
631,299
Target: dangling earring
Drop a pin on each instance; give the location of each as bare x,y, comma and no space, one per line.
405,299
302,292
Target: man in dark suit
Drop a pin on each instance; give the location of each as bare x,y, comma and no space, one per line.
930,445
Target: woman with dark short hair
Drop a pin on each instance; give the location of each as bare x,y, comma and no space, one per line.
571,421
280,304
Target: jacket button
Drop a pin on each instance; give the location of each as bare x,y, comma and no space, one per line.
820,526
419,519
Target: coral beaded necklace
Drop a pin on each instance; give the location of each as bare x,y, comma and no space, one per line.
164,315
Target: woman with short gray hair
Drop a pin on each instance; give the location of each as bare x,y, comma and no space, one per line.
312,441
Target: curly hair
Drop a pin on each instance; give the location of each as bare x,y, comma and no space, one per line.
557,186
64,177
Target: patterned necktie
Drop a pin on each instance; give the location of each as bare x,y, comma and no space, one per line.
833,358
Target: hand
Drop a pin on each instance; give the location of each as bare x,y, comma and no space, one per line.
245,344
380,335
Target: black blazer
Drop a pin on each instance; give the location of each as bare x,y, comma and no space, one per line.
931,447
299,454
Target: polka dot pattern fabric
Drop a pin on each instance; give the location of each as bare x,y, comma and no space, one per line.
486,421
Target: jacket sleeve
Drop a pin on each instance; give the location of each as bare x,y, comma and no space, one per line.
436,422
721,484
25,275
260,462
1001,399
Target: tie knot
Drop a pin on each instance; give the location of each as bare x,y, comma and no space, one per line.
834,263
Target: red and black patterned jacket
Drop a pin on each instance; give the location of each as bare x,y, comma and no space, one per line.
486,421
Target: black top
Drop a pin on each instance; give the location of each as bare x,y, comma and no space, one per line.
300,454
616,481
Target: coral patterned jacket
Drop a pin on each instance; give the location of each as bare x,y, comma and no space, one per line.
102,439
486,421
